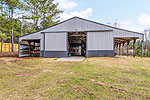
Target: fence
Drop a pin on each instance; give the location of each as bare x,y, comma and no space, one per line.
7,47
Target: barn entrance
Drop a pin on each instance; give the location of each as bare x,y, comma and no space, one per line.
121,46
77,43
29,48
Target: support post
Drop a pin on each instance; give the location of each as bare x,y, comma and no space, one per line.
29,48
19,48
119,48
142,48
114,47
134,47
123,48
127,48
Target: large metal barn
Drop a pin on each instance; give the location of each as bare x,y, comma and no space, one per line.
76,37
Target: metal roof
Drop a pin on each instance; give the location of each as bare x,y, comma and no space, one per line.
86,30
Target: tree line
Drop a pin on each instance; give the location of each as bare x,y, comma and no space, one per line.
19,17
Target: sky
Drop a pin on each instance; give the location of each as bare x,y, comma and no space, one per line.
132,15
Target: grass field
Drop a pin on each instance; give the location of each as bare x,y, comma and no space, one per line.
94,79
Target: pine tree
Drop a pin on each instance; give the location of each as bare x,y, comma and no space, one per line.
44,13
13,4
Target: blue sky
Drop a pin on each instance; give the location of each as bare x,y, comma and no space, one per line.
130,14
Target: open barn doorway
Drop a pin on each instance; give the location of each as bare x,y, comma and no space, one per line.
122,46
77,43
29,48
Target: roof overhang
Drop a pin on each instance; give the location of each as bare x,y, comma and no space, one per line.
78,31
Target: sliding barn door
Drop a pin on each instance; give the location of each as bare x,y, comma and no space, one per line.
55,45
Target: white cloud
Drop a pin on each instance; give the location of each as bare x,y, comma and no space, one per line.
144,20
66,4
140,24
128,25
132,28
127,22
83,14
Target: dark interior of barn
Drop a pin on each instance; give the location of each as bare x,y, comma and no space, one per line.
77,43
30,48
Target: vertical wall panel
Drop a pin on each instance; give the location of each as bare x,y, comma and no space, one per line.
99,41
100,44
55,45
55,41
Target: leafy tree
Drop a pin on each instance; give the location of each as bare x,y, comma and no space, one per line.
44,13
13,4
3,25
138,49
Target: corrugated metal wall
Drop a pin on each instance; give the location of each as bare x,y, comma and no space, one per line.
104,40
55,41
76,25
55,45
99,41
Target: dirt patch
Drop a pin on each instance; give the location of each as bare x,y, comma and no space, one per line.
124,80
61,81
130,71
9,54
125,91
47,71
21,74
81,88
9,59
118,89
98,83
69,72
109,62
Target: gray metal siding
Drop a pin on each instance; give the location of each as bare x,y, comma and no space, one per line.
99,41
55,41
55,54
76,25
104,40
120,33
41,53
100,44
100,53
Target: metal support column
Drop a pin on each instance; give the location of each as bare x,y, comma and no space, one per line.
123,48
29,48
119,48
134,47
142,48
127,48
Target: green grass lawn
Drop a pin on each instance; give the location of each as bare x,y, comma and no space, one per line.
94,78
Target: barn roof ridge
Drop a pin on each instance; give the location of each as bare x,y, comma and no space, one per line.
75,17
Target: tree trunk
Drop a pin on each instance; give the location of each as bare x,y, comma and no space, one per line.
36,19
2,46
147,47
9,33
2,32
12,35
